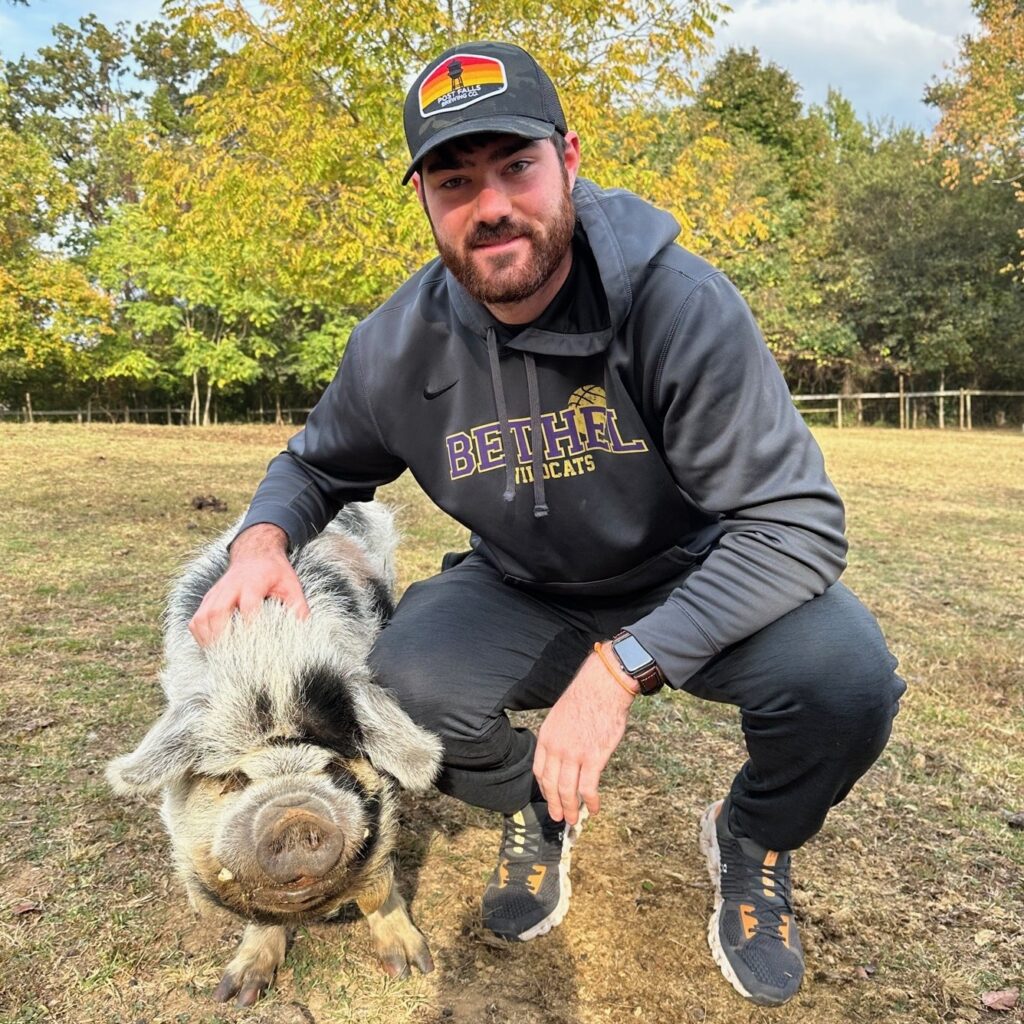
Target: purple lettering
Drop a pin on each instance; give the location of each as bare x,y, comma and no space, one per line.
460,455
594,419
519,431
556,438
489,447
617,444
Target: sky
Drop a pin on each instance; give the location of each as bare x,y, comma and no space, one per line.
880,53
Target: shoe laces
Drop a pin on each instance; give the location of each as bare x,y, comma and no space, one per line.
523,839
764,883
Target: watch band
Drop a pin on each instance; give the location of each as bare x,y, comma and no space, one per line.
649,679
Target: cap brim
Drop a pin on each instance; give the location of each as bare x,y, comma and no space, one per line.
504,124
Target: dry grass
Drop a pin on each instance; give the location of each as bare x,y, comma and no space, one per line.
917,874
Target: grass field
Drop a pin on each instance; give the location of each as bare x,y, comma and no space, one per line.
910,899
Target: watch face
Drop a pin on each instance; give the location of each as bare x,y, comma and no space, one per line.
633,657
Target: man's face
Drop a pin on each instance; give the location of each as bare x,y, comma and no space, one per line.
501,210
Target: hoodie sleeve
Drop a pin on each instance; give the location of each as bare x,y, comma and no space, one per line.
339,456
739,449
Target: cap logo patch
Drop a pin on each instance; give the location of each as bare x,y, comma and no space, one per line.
460,81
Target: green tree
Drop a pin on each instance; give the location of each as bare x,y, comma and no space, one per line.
787,270
981,131
94,94
925,296
762,103
51,318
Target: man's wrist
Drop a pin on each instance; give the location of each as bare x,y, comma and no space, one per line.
608,659
259,539
636,662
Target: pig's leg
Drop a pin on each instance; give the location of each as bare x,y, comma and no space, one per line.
396,940
252,971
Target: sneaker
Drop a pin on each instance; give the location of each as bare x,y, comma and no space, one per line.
752,933
528,894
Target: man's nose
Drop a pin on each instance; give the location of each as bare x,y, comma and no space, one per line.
492,204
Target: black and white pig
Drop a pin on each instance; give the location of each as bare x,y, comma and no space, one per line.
278,756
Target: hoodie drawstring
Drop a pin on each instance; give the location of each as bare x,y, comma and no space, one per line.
507,440
540,508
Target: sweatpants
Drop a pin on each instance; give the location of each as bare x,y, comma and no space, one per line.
816,689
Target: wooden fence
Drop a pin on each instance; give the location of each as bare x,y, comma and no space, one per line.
914,409
911,410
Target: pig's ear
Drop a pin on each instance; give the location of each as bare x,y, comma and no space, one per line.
393,742
166,753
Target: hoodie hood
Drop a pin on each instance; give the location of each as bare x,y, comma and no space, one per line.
624,234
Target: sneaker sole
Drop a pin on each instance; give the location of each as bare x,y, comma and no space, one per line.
709,847
555,918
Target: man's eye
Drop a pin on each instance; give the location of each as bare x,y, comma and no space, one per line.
451,183
519,166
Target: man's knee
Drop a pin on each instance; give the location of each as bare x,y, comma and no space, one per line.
847,682
413,674
429,680
825,665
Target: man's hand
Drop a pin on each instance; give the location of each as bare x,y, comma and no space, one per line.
259,568
578,737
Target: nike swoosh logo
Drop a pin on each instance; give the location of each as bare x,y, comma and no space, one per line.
429,393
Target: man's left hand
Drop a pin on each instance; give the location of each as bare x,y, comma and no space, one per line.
580,734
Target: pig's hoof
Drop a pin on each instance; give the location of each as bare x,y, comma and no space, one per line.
403,951
249,985
252,971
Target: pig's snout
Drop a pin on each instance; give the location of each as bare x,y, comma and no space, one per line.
295,842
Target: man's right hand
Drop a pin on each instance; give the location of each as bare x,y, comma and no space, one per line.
259,568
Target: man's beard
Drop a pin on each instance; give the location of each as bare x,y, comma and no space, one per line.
501,282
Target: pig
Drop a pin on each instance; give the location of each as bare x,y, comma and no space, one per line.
279,758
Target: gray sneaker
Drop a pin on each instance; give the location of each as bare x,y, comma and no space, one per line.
528,893
752,933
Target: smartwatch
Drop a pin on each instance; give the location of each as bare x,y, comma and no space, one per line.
636,662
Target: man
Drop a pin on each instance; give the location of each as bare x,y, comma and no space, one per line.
597,406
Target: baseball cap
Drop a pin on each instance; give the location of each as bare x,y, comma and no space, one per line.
479,87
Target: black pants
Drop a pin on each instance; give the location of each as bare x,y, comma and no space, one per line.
816,690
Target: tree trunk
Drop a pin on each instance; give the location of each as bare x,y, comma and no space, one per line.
278,418
193,408
28,407
209,399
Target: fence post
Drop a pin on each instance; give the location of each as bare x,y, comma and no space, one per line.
903,406
942,400
960,418
970,425
839,413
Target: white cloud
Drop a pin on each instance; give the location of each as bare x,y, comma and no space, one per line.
880,53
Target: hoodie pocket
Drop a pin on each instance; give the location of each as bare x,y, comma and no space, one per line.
663,566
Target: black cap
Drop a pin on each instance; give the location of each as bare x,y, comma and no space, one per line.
479,87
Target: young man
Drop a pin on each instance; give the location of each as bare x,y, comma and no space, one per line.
646,507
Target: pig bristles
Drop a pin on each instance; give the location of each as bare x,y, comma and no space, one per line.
224,701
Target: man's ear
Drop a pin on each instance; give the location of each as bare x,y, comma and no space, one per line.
166,753
417,183
572,157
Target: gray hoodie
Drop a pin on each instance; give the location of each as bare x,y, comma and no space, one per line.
670,446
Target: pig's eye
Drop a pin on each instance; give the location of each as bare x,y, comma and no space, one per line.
233,783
